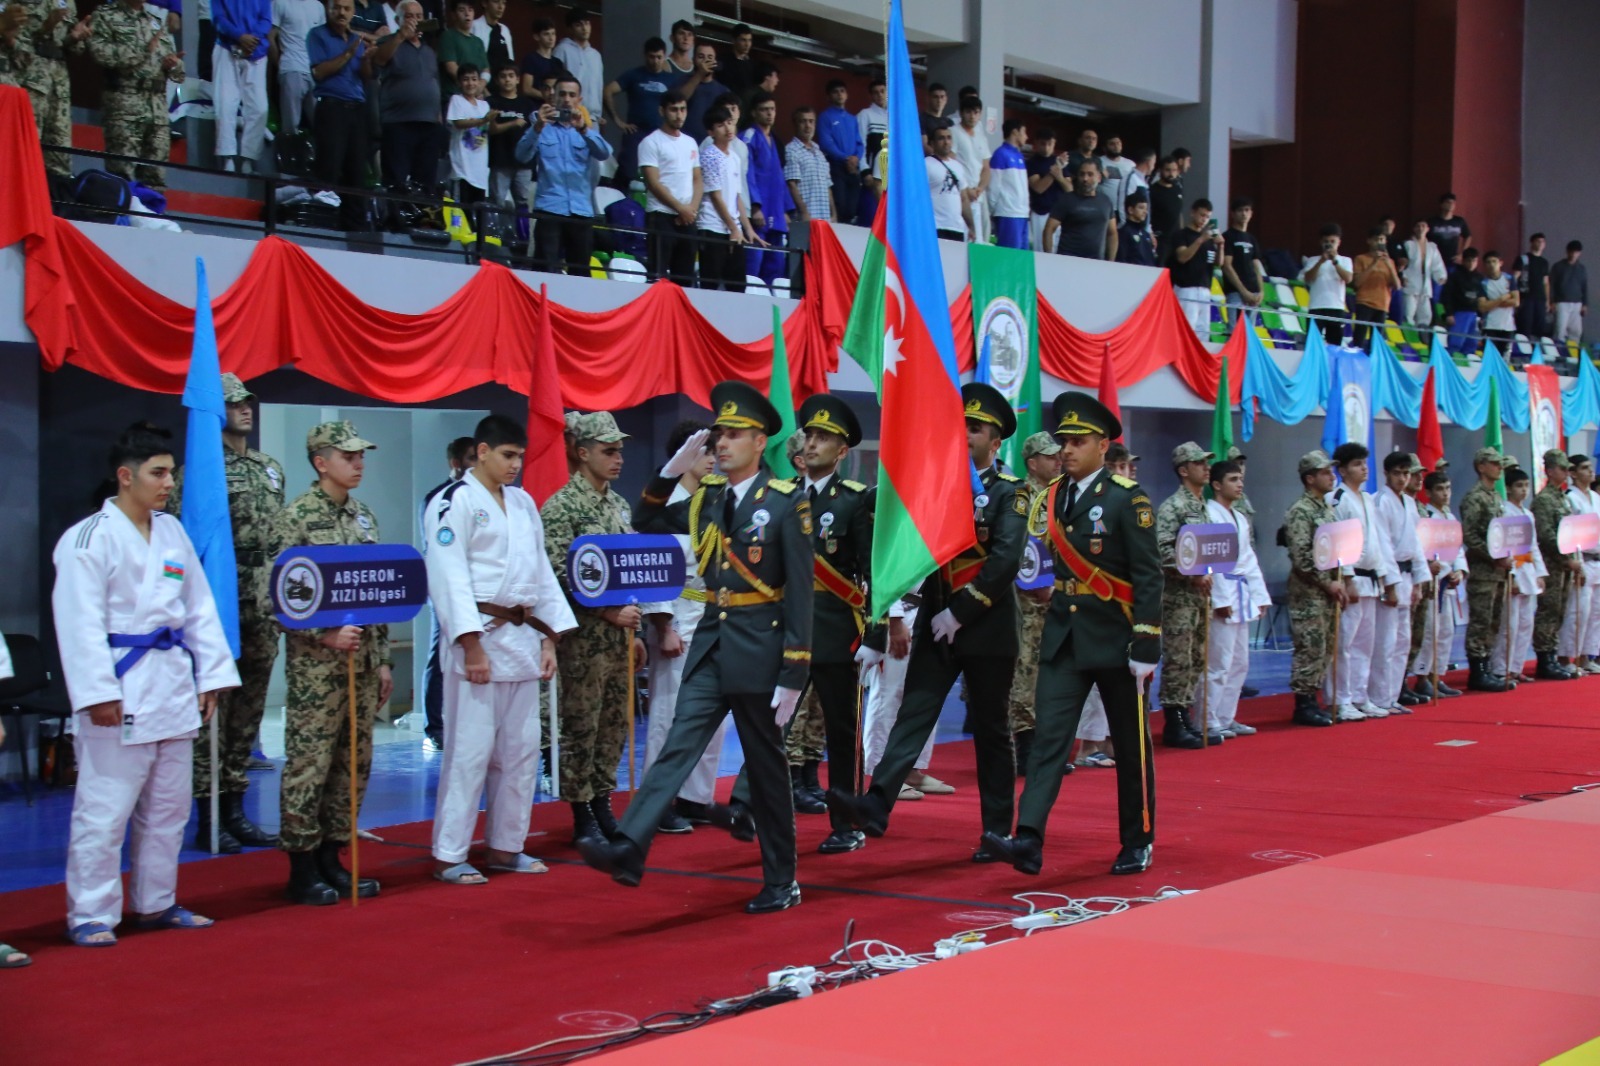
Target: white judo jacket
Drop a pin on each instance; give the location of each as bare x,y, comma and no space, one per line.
1245,590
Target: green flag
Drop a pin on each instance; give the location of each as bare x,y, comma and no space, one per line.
1492,436
1221,420
782,397
1005,312
863,333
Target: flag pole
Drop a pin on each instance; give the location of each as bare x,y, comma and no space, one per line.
355,835
1433,644
215,771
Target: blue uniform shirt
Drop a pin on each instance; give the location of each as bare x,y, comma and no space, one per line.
322,44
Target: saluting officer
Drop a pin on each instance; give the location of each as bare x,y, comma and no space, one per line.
751,535
967,626
1103,628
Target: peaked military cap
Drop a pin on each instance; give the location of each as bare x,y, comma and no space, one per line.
984,403
1078,414
830,413
738,406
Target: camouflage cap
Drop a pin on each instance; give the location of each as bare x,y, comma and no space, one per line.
233,390
1119,453
599,426
572,419
1488,455
1558,458
1040,443
1508,460
1415,466
1313,461
1235,455
796,444
340,436
1190,452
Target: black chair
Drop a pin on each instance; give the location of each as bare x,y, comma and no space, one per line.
32,690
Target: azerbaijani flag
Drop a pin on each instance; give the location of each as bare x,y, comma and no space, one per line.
1430,441
923,451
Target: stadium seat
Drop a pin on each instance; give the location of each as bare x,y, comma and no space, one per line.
604,197
753,285
622,268
780,288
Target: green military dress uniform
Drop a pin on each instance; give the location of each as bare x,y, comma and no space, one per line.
1310,609
1486,580
1183,606
1550,506
314,795
49,87
134,103
754,550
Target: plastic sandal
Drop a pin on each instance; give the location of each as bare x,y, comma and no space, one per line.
460,874
8,963
80,935
175,917
1100,759
522,864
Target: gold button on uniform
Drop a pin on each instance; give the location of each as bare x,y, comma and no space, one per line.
1069,530
1072,607
722,614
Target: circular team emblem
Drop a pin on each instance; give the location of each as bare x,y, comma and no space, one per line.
1544,431
1006,330
1188,548
1030,562
1354,400
299,588
272,476
761,517
1322,550
363,521
480,517
826,520
593,570
1497,541
981,500
1095,512
447,536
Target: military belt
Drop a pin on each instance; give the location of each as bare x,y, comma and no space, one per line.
517,616
724,598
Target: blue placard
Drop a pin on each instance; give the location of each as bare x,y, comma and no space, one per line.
610,570
1207,548
1038,569
348,585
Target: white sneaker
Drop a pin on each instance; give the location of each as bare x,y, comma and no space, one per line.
1239,729
1590,667
1347,713
1371,710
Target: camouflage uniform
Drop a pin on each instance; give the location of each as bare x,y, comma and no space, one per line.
134,104
46,80
314,795
1310,609
1550,506
593,658
1183,606
1026,679
1486,582
807,733
14,62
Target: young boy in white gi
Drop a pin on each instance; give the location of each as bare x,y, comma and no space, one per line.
1581,599
144,656
1397,515
1448,609
1372,578
1237,600
1528,576
498,603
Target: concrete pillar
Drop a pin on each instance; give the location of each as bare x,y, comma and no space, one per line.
629,22
1200,129
981,63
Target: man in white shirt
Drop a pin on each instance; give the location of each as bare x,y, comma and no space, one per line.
669,163
1424,270
490,28
291,21
583,61
1448,608
1237,600
1327,273
1582,602
873,121
1138,178
948,182
1397,514
1528,575
1116,167
972,148
1373,577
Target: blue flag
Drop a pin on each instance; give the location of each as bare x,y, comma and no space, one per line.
1349,407
205,485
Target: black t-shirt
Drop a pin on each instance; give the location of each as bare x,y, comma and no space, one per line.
1083,224
1040,203
499,49
1531,271
1447,234
1136,245
1241,247
739,75
1166,209
1461,292
503,146
1196,273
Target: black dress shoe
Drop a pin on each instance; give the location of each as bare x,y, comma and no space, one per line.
692,812
1133,859
991,848
622,859
735,817
673,822
842,840
1248,692
774,898
863,812
1024,853
334,873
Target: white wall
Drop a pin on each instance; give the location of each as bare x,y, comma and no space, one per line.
1252,91
1147,49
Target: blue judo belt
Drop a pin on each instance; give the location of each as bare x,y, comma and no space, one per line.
139,644
1241,586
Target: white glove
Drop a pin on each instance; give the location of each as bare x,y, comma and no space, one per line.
784,701
867,660
687,455
945,626
1140,671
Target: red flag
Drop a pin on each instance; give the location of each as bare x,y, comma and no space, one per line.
1430,442
1108,384
545,468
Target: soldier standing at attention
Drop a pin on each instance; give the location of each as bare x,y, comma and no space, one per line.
1184,599
1486,577
255,498
139,58
967,626
1103,629
1550,506
1041,455
314,796
752,650
1312,591
594,659
52,32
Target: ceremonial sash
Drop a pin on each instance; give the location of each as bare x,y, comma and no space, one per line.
1103,585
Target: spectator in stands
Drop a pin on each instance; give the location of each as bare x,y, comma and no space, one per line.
1532,273
239,79
471,125
1569,288
291,21
645,87
337,55
948,181
735,106
972,148
769,192
724,216
839,135
1086,148
738,70
1083,216
458,47
541,63
1450,231
1243,277
1008,186
1139,179
1115,169
702,89
48,33
873,122
1376,280
1461,295
1193,253
1326,274
1185,159
140,58
1498,304
766,82
1424,272
408,103
1166,202
564,144
373,19
669,163
682,37
584,61
1135,243
490,28
807,170
934,118
1047,184
511,182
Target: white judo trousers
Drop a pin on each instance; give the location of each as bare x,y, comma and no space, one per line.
239,93
1092,726
1521,620
1230,661
886,688
1582,603
666,678
1358,629
491,746
1391,646
1439,632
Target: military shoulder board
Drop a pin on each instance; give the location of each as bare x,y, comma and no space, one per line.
853,486
784,487
714,479
1014,479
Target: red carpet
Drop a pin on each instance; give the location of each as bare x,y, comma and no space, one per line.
432,973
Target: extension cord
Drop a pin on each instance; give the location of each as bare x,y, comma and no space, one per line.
961,945
1036,920
799,979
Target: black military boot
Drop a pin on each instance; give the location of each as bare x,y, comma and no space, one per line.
605,818
810,781
1551,668
334,873
584,826
1177,732
227,843
1306,711
1479,679
1023,741
305,882
235,821
804,801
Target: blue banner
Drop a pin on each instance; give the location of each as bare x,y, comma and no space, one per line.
613,570
1038,570
1349,408
348,585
